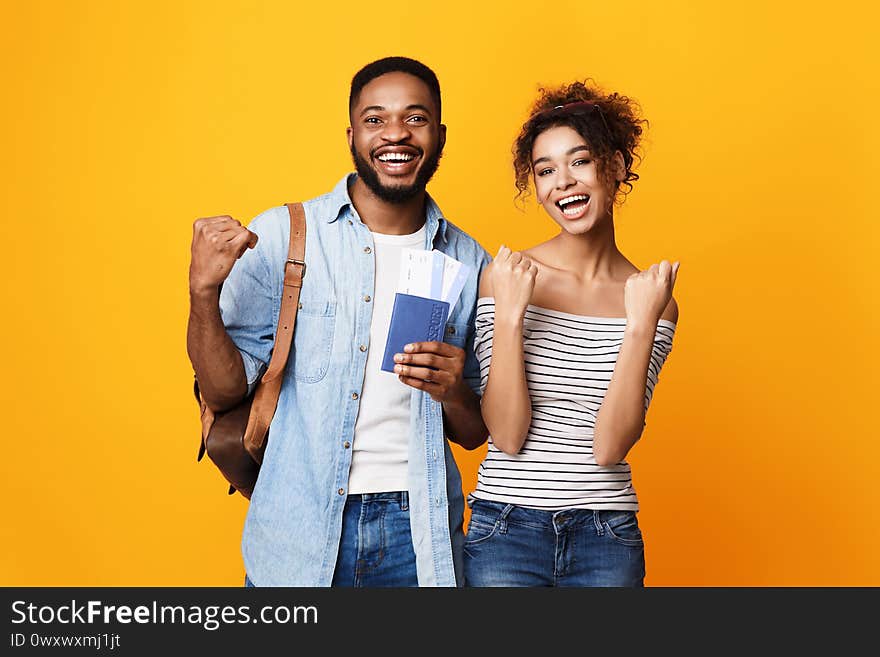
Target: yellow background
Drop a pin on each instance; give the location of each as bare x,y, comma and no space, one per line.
123,122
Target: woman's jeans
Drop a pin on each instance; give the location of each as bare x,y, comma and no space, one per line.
376,547
509,545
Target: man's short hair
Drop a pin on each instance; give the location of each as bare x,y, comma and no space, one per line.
394,65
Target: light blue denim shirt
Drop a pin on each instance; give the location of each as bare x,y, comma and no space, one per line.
293,526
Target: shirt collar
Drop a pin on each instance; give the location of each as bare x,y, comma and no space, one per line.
340,199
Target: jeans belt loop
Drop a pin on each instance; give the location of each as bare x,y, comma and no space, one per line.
597,520
502,519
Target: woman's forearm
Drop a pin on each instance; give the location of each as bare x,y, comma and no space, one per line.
506,405
621,416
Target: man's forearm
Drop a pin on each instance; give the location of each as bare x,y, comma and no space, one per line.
215,358
463,421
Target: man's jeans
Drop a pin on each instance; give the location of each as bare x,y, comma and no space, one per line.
509,545
376,548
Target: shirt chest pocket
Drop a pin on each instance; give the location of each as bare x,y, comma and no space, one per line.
313,340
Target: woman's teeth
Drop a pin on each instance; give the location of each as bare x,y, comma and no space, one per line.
573,205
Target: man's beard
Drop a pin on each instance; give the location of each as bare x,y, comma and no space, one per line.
400,193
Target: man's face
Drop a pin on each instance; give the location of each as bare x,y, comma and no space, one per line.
396,137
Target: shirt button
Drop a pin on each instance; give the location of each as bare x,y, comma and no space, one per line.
346,444
299,305
434,453
367,249
363,347
341,491
354,395
437,501
450,330
367,298
349,222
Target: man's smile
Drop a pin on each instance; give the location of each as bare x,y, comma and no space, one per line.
397,160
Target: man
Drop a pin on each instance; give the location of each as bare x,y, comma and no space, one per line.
358,485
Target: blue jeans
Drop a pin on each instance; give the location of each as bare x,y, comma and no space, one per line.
508,545
376,547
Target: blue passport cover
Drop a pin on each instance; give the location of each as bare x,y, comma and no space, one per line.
413,319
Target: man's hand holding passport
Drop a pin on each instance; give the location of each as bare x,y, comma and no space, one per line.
429,286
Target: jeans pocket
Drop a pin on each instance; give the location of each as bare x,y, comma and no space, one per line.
483,524
623,527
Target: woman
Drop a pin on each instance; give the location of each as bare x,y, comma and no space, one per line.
571,337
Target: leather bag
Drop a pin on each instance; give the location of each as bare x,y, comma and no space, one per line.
235,439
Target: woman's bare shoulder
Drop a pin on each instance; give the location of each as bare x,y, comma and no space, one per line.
540,252
625,268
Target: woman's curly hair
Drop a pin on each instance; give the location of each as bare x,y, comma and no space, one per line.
608,123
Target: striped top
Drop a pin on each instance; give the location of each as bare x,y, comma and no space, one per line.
569,361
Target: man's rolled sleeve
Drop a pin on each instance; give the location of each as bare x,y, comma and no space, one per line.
471,373
253,369
472,369
247,307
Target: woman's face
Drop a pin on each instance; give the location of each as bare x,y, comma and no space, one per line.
567,181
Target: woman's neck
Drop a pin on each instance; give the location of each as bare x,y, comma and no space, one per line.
591,256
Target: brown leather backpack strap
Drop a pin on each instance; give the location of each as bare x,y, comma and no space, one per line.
266,395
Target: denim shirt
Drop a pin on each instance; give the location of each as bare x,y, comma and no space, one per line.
294,522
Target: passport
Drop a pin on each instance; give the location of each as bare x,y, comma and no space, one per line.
413,319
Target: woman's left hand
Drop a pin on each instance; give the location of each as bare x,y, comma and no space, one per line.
647,293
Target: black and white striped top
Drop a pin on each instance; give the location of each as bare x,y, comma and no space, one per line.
569,361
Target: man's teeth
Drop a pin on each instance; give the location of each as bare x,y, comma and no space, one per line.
396,157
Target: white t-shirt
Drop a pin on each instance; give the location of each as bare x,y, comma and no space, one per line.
380,453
